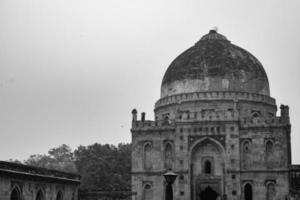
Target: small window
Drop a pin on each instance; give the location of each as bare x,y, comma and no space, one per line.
246,147
207,167
255,113
181,177
147,187
269,147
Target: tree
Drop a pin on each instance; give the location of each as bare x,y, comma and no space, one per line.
59,158
105,167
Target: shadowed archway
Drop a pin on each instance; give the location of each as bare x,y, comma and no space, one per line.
40,195
248,192
59,196
15,194
208,194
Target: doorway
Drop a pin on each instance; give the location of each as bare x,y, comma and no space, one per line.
248,192
208,194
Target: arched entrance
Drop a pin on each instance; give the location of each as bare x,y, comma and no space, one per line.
208,194
40,195
207,169
15,194
248,192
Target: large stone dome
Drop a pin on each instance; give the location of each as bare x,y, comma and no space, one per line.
215,64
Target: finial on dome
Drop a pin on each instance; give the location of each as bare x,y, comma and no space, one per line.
214,29
213,35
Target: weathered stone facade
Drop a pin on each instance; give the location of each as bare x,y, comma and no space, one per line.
22,182
216,127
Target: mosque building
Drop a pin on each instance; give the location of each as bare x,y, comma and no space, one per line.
216,127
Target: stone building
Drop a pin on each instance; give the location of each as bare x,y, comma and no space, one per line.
22,182
216,127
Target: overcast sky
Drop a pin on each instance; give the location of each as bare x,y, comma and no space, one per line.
72,70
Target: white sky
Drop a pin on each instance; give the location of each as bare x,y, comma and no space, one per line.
72,70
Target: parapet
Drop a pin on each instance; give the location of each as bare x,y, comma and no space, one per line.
153,125
16,169
263,122
208,115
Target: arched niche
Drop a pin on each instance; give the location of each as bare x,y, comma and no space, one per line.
16,194
147,192
147,156
40,195
59,195
269,147
271,191
168,155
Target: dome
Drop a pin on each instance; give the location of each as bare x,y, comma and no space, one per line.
214,64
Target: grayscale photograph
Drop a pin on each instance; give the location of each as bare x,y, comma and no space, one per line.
149,100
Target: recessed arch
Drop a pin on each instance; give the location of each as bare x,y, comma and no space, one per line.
59,195
168,155
246,146
207,158
40,195
200,142
248,192
147,155
148,192
16,194
269,147
271,191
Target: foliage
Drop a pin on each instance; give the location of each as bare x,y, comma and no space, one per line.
104,167
59,158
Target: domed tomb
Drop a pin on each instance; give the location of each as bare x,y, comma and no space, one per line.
215,64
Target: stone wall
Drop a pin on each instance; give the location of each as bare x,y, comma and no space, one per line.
22,182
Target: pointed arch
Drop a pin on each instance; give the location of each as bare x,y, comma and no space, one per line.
40,195
147,192
246,146
248,192
147,155
213,141
59,195
168,155
269,147
271,191
207,158
16,194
